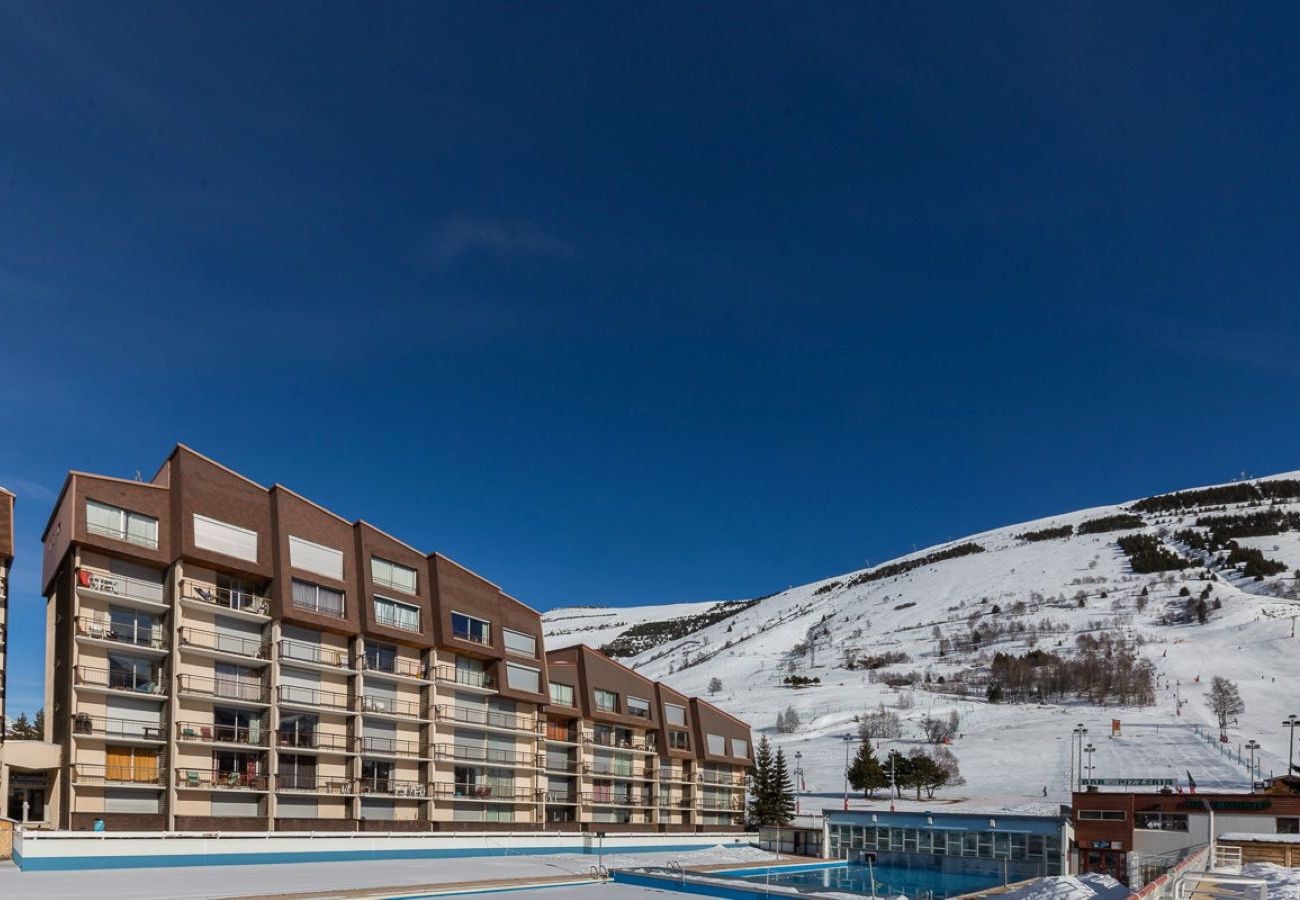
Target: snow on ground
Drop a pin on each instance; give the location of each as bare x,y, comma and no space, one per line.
1069,887
1283,883
1008,752
598,625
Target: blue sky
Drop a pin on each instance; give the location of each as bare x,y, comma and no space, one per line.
637,303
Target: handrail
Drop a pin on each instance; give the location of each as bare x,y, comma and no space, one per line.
369,703
226,688
103,628
619,798
478,791
118,774
210,733
492,718
389,746
121,585
121,534
224,643
392,786
489,755
292,693
317,784
106,726
205,779
407,668
316,739
227,598
154,683
465,677
300,651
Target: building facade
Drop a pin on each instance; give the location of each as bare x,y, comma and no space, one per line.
6,563
222,655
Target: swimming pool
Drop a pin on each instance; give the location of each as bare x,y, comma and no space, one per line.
888,881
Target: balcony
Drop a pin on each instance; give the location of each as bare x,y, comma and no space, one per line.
292,695
321,606
392,787
132,634
484,718
618,798
561,798
474,633
601,739
150,595
561,734
124,534
486,793
722,804
397,666
568,767
316,739
207,780
727,779
465,678
124,731
675,801
147,777
313,655
388,707
251,693
489,756
615,770
213,643
144,684
243,603
208,733
675,775
383,746
299,783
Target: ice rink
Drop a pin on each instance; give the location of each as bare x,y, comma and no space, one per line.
1167,751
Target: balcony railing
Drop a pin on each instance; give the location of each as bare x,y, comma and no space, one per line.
615,770
396,665
316,654
252,648
208,733
610,740
154,683
385,746
203,779
675,801
463,677
314,784
559,733
567,798
618,798
225,688
555,765
486,755
501,792
322,607
101,628
673,775
392,620
227,598
392,787
481,635
122,534
468,715
316,739
142,775
389,706
84,724
121,586
733,779
302,696
723,804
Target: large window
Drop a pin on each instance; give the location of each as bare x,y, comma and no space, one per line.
523,678
121,524
740,749
676,715
317,599
392,575
468,628
396,615
1107,815
679,740
562,694
519,643
381,657
1160,821
606,701
717,744
1288,825
638,707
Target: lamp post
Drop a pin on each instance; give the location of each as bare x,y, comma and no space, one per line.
1252,746
798,779
1090,749
848,739
1079,732
1293,720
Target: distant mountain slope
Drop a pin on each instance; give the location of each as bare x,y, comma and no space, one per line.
944,612
597,626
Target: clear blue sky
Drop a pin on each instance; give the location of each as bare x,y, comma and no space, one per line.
625,303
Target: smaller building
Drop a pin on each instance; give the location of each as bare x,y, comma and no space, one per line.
1009,847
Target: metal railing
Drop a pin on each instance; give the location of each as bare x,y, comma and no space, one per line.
506,793
291,693
568,766
124,729
464,677
727,779
252,648
320,607
122,534
389,620
721,804
392,787
102,628
397,665
618,798
300,651
568,735
613,741
226,598
567,798
673,775
121,586
484,638
202,779
391,706
675,801
614,769
225,688
315,784
491,718
487,755
316,739
118,774
390,746
154,683
209,733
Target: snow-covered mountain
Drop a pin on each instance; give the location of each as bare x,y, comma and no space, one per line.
943,613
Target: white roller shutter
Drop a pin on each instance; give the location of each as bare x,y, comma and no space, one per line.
315,558
224,538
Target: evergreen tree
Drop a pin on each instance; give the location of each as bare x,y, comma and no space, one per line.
865,773
782,792
924,774
898,768
38,725
20,727
760,788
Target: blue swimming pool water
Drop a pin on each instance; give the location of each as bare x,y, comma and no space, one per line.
890,881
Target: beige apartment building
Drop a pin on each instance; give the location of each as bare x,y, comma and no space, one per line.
223,655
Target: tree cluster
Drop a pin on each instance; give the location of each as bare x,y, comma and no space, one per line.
1147,554
21,729
788,722
1117,522
1104,670
907,565
1242,492
1047,534
771,791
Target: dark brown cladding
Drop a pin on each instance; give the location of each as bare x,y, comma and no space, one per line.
596,670
665,695
297,517
67,523
6,526
202,487
564,670
709,720
371,543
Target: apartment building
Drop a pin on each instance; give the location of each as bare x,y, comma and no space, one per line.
6,563
223,655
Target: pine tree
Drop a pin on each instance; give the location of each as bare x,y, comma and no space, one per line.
20,729
760,796
38,725
782,792
865,773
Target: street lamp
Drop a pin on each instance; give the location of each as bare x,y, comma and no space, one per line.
1079,732
798,779
1252,746
1090,749
848,739
1293,720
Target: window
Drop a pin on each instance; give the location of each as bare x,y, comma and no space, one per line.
519,643
676,715
638,707
381,657
121,524
317,599
315,558
390,574
1107,815
1160,821
717,744
396,615
224,538
606,701
523,678
679,740
740,749
562,694
468,628
1288,825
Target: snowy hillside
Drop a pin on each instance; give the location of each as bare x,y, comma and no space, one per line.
598,626
943,619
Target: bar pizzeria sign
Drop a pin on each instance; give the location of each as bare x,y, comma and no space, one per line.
1128,782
